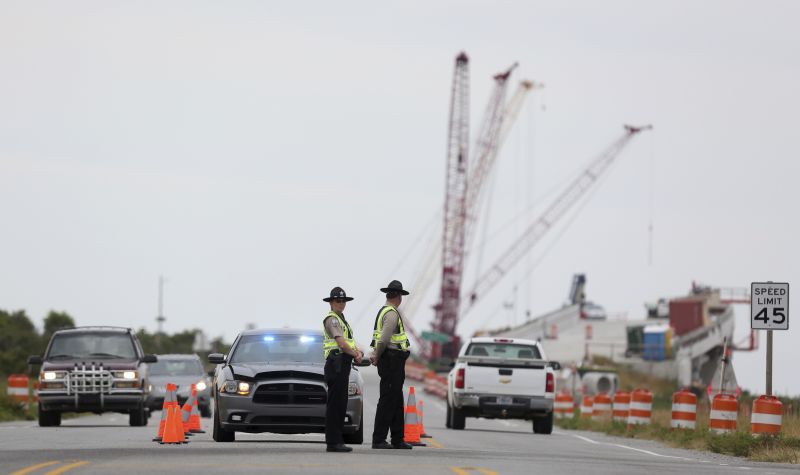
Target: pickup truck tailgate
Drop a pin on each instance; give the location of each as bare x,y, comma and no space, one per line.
496,376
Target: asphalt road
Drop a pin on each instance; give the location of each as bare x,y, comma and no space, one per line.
105,444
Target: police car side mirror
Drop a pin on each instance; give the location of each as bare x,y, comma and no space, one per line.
555,365
216,358
35,360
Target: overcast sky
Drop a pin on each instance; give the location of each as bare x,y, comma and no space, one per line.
257,155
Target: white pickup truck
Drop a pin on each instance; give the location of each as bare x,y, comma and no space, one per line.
505,378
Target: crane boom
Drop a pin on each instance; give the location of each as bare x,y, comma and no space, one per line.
491,143
574,191
454,203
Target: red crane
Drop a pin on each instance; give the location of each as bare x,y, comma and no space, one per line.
454,205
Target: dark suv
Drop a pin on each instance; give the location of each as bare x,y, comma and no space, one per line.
93,369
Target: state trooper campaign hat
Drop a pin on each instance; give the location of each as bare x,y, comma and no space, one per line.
337,293
394,286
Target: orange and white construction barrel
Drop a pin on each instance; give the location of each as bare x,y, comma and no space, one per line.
601,407
18,388
641,407
767,415
621,406
586,407
724,412
564,406
684,410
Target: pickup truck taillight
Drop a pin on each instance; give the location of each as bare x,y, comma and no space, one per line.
550,385
460,378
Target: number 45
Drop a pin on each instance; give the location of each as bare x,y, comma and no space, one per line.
776,312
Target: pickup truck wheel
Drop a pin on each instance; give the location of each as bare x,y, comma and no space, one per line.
447,418
357,437
49,418
458,419
543,425
219,434
137,417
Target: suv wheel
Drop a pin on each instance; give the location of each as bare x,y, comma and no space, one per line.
219,434
137,417
543,425
357,437
49,418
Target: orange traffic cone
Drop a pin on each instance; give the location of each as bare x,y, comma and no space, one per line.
164,410
411,429
173,429
422,433
194,417
178,423
186,412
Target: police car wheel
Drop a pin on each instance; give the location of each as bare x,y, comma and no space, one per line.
357,437
219,434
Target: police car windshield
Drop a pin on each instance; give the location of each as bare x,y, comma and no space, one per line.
92,345
166,367
278,348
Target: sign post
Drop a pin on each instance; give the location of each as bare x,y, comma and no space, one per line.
769,310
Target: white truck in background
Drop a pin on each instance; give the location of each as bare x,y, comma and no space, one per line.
506,378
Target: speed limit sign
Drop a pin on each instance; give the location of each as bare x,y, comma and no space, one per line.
769,306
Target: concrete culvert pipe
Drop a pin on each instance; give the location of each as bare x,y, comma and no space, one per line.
599,382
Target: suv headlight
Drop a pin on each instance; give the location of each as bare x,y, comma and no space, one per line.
128,375
353,389
49,375
201,386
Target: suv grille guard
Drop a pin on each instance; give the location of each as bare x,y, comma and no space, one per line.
94,379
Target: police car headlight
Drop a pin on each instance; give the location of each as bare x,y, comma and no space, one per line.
201,386
353,389
237,387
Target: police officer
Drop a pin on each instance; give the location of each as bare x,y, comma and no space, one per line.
390,346
339,350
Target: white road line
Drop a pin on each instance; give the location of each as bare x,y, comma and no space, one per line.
652,453
586,439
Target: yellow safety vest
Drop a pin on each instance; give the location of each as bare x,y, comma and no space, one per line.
398,338
329,344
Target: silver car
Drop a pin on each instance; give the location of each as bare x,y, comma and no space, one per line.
273,381
183,371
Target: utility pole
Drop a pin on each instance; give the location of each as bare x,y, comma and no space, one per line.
160,318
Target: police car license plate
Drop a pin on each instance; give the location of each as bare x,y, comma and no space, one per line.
505,400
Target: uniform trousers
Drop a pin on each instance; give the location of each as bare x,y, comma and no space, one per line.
390,415
337,377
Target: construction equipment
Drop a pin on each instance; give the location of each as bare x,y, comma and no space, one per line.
568,198
464,184
431,261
